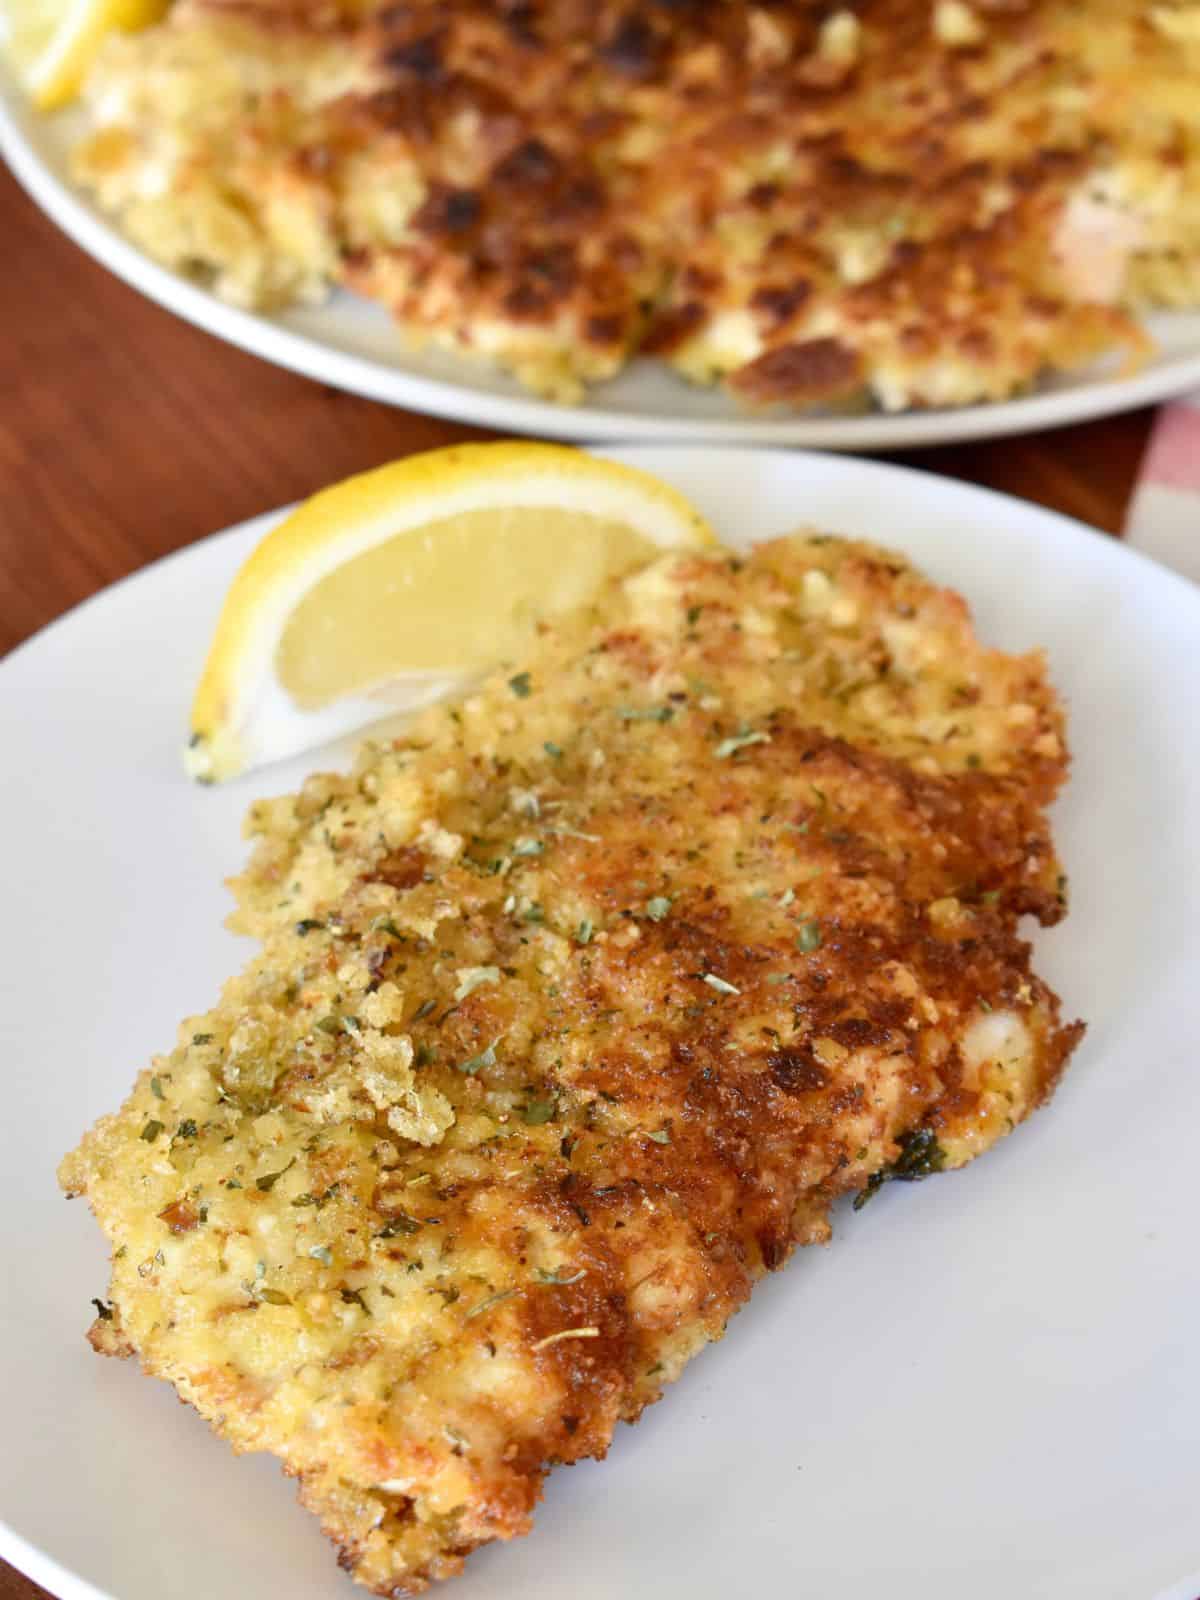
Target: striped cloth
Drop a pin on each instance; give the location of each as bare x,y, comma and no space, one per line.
1164,514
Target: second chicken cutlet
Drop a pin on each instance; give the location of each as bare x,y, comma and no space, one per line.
897,203
577,1008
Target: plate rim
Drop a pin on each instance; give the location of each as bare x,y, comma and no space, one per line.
260,335
62,1580
44,1570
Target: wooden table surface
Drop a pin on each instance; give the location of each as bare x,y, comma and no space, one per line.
125,434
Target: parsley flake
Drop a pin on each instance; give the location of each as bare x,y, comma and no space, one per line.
809,938
528,847
553,750
521,685
920,1156
645,713
399,1223
658,908
660,1136
539,1111
269,1179
583,933
486,1305
485,1058
151,1131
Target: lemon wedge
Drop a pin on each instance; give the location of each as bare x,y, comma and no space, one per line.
52,42
397,587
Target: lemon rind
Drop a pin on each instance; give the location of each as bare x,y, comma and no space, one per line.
54,77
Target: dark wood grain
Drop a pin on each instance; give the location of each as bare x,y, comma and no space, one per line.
125,434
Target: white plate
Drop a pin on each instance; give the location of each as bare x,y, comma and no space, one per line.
350,343
989,1387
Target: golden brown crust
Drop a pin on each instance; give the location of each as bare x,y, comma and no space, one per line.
577,1008
924,203
804,373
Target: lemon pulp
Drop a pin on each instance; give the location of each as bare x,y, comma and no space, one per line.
458,597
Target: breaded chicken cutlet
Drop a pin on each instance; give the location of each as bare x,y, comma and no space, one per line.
907,204
577,1008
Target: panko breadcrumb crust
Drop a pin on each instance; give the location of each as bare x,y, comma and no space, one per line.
576,1009
898,203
